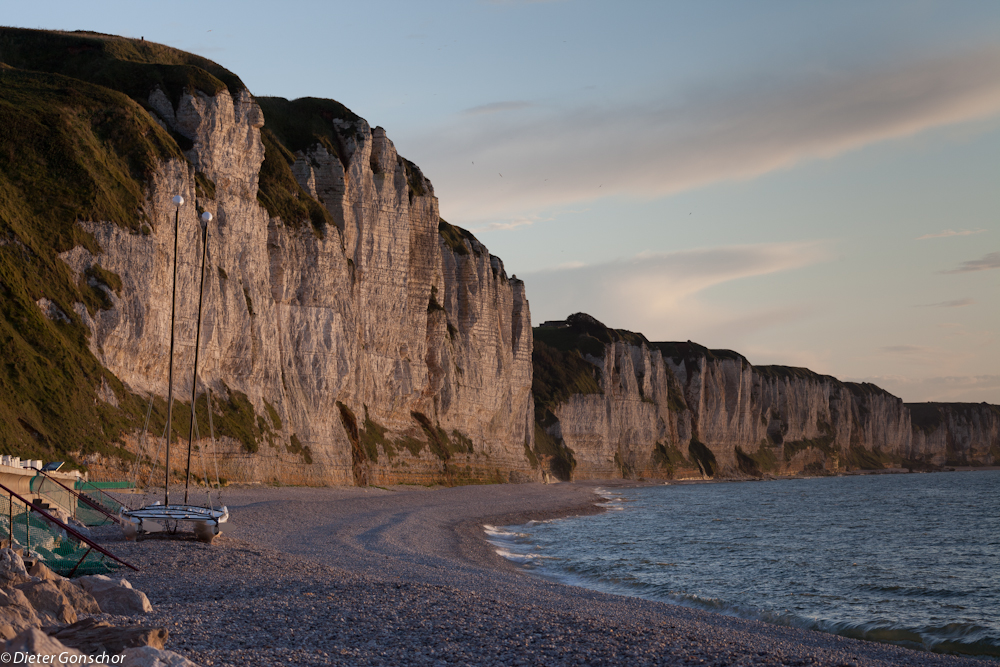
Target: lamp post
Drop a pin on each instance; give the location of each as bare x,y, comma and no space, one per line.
206,217
178,202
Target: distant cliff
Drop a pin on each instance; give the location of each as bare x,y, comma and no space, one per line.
611,403
351,336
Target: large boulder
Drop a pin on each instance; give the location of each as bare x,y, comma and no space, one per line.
12,570
82,601
115,596
50,603
42,571
95,637
35,642
16,613
148,656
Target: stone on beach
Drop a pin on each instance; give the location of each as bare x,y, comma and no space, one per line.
115,596
35,642
147,656
95,637
82,601
51,604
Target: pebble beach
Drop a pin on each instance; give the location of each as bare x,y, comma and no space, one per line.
404,576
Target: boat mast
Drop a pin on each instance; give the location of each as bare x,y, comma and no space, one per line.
178,201
206,217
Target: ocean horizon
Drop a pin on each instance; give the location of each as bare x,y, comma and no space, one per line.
912,560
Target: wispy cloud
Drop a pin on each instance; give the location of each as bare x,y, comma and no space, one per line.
654,292
554,157
984,263
496,107
520,221
950,232
957,303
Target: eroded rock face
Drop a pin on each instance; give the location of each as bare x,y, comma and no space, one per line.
955,434
628,428
373,351
680,410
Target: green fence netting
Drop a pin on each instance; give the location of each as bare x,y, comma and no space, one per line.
60,552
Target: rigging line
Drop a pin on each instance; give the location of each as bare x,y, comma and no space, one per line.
201,455
136,469
152,468
211,430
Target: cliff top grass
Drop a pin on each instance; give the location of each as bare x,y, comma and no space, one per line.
688,350
868,389
458,238
282,195
793,373
132,66
557,375
301,124
928,416
585,334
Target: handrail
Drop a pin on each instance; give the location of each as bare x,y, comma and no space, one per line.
72,531
83,497
104,493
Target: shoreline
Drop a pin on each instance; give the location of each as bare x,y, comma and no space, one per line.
343,575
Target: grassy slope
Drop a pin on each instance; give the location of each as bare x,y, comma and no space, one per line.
76,143
70,151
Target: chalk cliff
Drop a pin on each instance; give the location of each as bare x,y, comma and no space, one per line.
387,353
629,407
350,334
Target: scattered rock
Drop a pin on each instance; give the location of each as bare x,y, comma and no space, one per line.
35,642
147,656
115,596
12,570
50,603
95,637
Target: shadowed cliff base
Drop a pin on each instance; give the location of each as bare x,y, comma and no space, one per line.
620,405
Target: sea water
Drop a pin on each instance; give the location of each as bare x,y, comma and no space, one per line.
907,559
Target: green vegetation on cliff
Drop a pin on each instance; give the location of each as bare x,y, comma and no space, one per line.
77,144
281,194
690,351
456,238
132,66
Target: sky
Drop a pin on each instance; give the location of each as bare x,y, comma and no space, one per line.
809,184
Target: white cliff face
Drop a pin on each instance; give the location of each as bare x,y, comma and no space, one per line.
753,420
376,320
796,419
616,433
956,434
